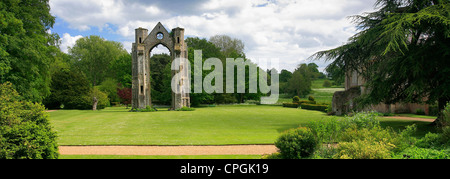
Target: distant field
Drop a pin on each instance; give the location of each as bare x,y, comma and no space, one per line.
319,84
320,93
324,95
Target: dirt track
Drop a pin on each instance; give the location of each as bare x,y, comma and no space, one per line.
168,150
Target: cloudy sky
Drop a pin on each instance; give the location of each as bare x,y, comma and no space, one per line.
290,30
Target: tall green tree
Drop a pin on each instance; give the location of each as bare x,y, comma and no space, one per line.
300,82
402,50
209,50
161,77
121,70
228,46
26,47
285,76
93,55
69,88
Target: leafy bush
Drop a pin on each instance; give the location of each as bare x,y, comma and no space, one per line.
103,100
316,107
125,95
185,109
306,102
327,131
423,153
363,120
291,105
445,121
362,137
327,84
109,87
311,98
364,149
25,132
295,99
433,141
296,144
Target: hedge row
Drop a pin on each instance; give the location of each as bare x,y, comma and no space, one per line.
291,105
317,107
296,105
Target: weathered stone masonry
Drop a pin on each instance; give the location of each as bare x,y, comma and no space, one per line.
144,43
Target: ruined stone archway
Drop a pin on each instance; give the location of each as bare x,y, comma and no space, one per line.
144,43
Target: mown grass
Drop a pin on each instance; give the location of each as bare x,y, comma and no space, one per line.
222,125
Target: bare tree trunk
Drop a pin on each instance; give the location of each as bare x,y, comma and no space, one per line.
94,106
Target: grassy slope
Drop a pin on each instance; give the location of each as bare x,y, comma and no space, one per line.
206,126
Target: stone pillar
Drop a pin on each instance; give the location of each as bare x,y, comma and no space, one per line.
180,51
141,88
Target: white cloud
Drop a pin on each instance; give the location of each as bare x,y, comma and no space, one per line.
68,41
291,30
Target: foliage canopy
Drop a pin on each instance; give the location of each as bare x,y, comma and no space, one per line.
402,51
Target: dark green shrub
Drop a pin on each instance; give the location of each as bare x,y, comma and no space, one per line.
297,143
327,84
295,99
433,110
316,107
69,88
420,112
311,98
444,123
291,105
25,132
306,102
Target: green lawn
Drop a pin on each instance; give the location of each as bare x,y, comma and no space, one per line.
222,125
324,95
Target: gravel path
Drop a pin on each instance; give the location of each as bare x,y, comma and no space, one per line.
168,150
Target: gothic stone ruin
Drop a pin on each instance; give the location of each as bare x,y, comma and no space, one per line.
144,43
